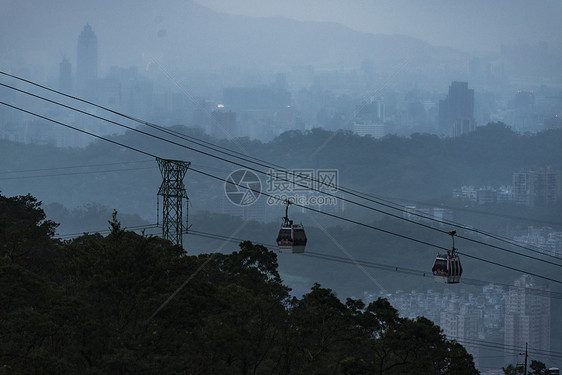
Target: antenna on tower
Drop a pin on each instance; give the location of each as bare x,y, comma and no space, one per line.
173,195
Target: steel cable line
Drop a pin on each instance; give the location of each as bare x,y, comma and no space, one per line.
75,173
245,158
74,166
480,343
514,347
507,250
507,348
384,230
225,238
489,345
466,341
263,163
268,174
88,172
420,273
370,264
219,157
298,205
463,341
388,204
359,194
339,259
146,153
482,232
131,228
77,129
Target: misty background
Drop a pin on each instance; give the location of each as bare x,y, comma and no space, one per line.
356,86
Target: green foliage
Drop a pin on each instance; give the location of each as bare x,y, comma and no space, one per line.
25,233
538,368
128,304
31,326
513,370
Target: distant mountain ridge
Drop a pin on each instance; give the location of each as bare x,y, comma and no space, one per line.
186,34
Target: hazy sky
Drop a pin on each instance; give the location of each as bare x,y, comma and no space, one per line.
464,24
41,33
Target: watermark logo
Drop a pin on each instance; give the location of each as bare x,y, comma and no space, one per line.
302,199
242,187
302,180
304,187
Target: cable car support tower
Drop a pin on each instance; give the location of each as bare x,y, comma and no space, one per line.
173,195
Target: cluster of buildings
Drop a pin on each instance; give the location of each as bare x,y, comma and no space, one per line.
529,110
121,89
299,99
456,111
536,187
430,213
454,114
544,239
527,318
259,112
370,118
483,194
530,187
499,318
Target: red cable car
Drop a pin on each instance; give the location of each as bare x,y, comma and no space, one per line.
447,267
291,237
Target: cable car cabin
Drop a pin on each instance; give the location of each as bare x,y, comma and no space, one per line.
291,238
447,268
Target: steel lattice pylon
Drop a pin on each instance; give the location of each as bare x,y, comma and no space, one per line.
173,194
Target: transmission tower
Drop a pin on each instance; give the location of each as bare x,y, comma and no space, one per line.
173,195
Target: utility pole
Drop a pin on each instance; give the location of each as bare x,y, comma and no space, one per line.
526,358
526,354
173,195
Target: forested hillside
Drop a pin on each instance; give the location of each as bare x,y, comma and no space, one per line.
127,303
417,168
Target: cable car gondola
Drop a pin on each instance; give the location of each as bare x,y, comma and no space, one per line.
291,237
447,267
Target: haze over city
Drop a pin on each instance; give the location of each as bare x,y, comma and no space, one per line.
366,149
41,31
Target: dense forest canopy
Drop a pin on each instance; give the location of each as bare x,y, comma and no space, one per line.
97,304
419,167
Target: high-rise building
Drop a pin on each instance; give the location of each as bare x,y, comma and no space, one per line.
363,128
527,319
371,110
535,187
65,76
456,112
460,321
554,244
86,58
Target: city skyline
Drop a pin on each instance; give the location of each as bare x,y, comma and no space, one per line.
479,28
454,97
